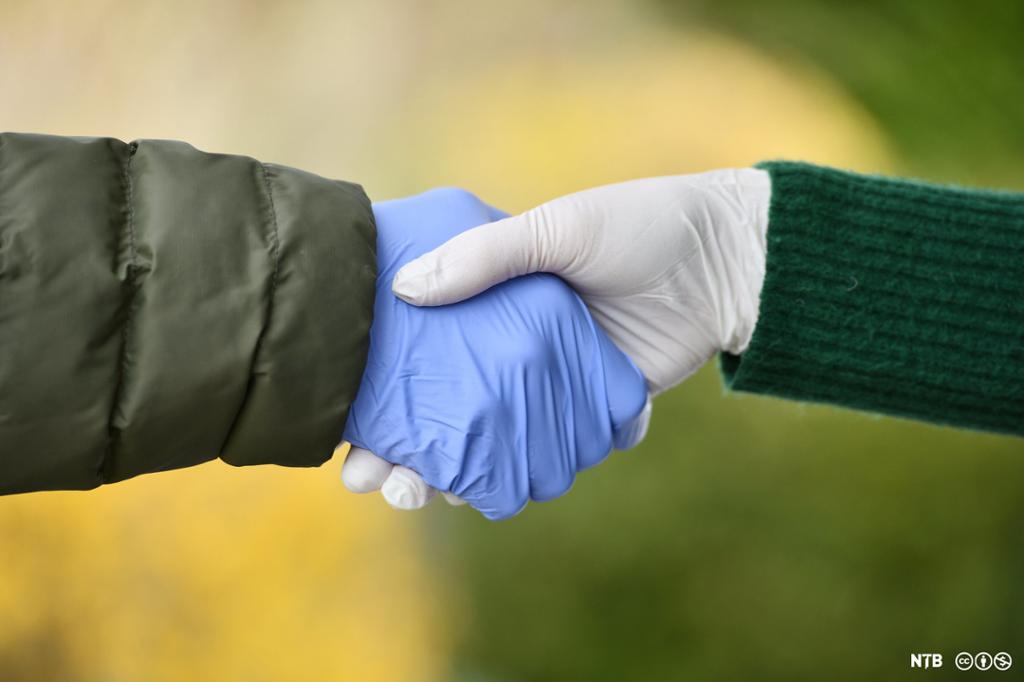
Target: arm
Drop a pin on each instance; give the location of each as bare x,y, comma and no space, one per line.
160,307
891,296
887,295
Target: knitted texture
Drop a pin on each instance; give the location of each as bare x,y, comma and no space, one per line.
891,296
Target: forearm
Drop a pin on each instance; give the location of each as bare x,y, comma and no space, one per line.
891,296
160,306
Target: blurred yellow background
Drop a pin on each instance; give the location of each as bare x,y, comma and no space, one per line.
264,573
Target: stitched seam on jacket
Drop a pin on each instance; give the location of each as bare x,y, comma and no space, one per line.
3,140
129,284
275,251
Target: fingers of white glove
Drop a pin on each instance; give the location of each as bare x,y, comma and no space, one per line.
363,471
630,434
453,500
405,489
470,263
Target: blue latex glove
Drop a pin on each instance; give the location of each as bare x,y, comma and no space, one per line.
498,399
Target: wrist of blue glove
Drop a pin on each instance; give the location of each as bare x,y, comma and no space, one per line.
501,398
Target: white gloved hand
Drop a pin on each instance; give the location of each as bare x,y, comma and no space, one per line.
671,267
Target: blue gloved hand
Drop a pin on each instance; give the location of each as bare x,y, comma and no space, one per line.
498,399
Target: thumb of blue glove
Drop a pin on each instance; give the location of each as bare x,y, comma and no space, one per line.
501,398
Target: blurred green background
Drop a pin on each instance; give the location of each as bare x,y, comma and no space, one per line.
746,539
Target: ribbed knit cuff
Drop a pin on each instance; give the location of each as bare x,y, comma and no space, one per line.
891,296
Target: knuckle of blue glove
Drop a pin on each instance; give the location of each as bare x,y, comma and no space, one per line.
551,487
497,507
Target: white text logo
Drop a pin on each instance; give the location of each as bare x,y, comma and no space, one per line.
925,660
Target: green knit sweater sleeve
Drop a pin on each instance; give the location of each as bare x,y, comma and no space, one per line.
891,296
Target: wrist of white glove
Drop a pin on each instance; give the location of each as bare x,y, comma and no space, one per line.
671,267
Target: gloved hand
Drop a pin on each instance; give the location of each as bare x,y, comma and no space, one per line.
498,399
670,267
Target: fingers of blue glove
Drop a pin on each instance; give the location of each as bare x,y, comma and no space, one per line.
551,486
405,489
496,509
493,479
630,434
629,403
363,471
622,393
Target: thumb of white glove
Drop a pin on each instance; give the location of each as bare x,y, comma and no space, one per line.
671,267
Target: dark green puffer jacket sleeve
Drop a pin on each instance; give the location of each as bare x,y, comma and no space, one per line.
893,296
162,306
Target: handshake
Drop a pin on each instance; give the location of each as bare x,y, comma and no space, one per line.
166,309
509,353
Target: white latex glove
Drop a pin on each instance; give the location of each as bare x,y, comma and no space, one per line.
671,267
